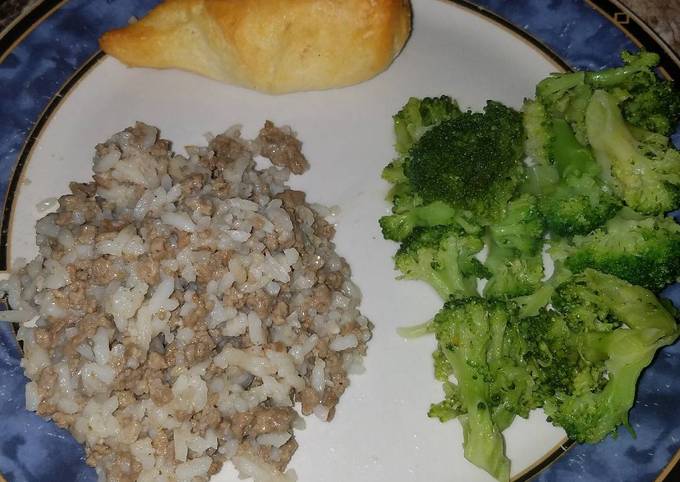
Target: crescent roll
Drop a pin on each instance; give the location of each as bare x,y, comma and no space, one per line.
274,46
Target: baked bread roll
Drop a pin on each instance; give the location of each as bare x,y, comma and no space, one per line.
274,46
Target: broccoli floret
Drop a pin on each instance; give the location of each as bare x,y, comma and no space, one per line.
557,90
577,205
419,115
646,175
470,335
442,256
442,367
646,101
399,226
554,143
532,304
579,360
472,162
576,112
655,107
581,201
619,326
512,276
520,227
573,198
513,390
394,172
642,250
553,356
566,96
449,408
581,306
409,212
514,261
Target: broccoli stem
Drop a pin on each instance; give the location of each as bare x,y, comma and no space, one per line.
570,156
483,443
616,76
416,331
557,84
617,142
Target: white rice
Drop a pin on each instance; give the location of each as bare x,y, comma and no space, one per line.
179,309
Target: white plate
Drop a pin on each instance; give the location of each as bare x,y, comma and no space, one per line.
381,431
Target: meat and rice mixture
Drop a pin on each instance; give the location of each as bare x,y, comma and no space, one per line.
181,307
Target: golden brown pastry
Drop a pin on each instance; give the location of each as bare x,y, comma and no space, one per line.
274,46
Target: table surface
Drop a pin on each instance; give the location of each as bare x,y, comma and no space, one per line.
663,16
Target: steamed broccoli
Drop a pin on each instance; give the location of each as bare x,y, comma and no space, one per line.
600,176
408,209
412,193
648,102
573,198
514,262
571,158
442,256
394,172
553,356
645,173
531,304
575,111
520,227
643,251
452,406
557,90
419,115
400,225
616,328
577,205
565,96
655,108
512,275
586,354
470,336
472,162
579,360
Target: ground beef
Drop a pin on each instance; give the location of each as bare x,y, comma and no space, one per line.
267,420
282,148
